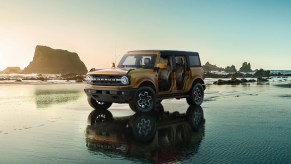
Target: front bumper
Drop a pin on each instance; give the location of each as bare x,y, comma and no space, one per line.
115,95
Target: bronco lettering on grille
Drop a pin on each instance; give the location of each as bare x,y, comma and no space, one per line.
106,80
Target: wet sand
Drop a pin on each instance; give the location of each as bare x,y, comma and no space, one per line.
244,124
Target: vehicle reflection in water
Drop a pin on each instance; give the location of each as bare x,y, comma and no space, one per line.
159,137
45,98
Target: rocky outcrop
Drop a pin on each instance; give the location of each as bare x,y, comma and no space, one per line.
233,81
246,67
209,67
9,70
230,69
55,61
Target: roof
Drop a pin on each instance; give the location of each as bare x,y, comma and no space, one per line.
167,52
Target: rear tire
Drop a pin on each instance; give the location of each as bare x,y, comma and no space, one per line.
98,105
144,100
196,95
195,117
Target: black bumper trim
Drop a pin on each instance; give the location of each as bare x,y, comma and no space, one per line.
111,94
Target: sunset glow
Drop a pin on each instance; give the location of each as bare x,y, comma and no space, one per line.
223,32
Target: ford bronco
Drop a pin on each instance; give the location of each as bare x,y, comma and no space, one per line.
144,78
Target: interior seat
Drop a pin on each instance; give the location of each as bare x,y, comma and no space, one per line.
164,76
180,71
147,62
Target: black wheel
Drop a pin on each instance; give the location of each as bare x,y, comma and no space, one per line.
97,116
98,105
144,100
143,127
195,116
196,95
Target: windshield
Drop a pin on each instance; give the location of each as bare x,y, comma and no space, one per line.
137,61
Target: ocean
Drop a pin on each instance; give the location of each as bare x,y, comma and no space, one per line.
285,72
47,123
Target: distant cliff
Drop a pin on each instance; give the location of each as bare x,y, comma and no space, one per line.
9,70
209,67
55,61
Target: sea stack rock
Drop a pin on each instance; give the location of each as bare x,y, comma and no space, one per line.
55,61
9,70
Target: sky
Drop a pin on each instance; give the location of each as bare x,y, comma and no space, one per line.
224,32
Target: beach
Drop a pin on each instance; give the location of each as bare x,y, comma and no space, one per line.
46,122
144,53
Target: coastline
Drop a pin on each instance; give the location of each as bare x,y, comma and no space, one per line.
38,82
213,77
208,81
41,78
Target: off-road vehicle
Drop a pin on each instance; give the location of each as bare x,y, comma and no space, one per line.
144,78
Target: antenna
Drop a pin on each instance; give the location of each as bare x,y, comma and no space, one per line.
113,63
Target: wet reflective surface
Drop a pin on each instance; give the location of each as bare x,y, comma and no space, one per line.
243,124
47,97
158,137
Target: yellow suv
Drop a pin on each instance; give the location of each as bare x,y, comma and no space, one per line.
144,78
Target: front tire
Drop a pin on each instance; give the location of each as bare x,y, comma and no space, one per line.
98,105
144,100
196,95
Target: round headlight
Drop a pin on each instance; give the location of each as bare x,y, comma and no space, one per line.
89,79
124,80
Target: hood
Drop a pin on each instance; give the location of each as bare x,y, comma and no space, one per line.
111,71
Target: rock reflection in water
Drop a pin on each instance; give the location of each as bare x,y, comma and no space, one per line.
45,98
159,137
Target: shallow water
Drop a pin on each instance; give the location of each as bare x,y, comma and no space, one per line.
48,124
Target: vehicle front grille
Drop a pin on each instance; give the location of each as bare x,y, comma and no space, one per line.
106,80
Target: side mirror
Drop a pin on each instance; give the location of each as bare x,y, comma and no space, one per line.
92,69
162,65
